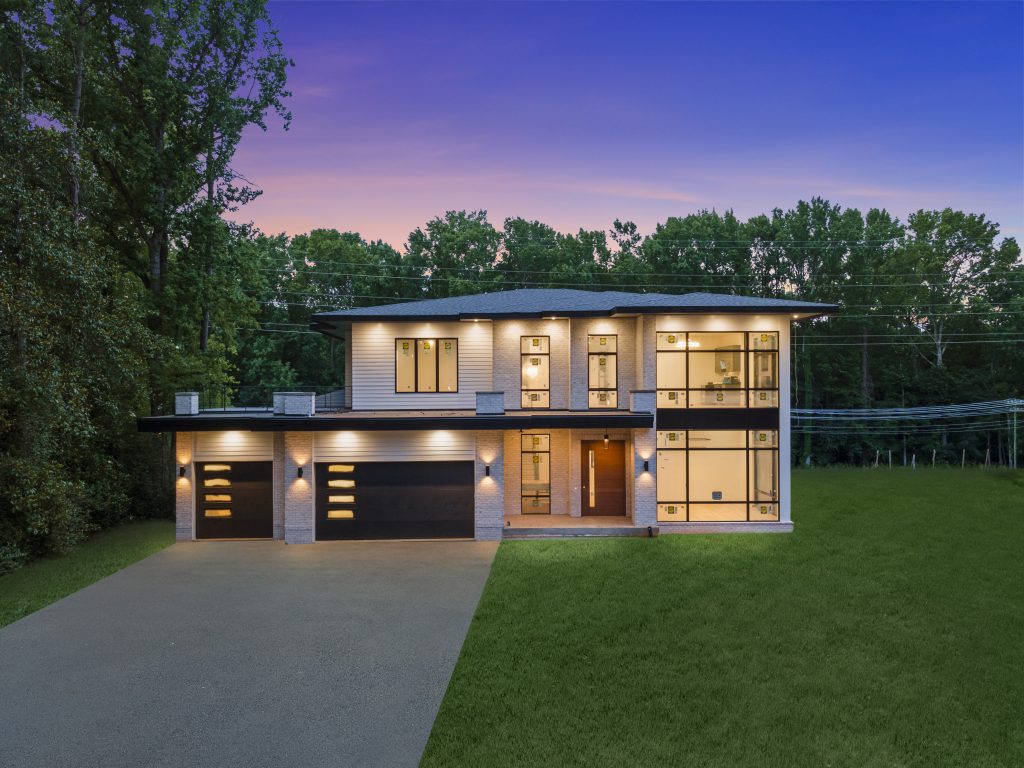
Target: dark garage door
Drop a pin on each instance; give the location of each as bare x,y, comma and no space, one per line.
234,500
394,500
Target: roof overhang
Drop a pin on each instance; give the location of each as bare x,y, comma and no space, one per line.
324,321
249,422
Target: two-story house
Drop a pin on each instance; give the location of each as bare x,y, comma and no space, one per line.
517,413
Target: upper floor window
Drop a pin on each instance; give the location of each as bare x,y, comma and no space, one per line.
535,359
602,363
426,365
718,369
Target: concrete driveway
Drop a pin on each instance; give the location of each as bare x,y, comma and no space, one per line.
243,654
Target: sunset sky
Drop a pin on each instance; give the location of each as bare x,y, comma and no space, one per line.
577,113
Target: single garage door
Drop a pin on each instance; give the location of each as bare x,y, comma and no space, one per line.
394,500
235,500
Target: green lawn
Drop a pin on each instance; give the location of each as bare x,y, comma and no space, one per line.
887,630
44,581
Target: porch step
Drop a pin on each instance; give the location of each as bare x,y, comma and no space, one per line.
575,532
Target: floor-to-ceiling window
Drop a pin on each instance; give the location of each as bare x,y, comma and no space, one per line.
717,369
536,474
718,475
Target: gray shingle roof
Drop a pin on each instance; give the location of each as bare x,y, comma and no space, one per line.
564,302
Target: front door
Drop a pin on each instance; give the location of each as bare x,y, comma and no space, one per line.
604,477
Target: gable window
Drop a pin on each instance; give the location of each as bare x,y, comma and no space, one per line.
535,359
426,365
602,363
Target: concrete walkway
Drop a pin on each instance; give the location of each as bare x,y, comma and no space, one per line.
243,654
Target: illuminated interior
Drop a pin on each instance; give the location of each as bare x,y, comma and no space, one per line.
602,371
535,373
217,513
536,474
718,475
426,365
717,369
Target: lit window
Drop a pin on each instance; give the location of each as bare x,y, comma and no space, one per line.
718,475
602,364
426,365
715,369
535,374
536,474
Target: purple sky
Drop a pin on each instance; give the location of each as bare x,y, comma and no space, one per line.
578,113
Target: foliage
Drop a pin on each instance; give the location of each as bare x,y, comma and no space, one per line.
49,579
120,281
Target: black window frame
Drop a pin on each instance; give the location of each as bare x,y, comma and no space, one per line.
746,352
748,449
416,366
615,356
523,496
523,391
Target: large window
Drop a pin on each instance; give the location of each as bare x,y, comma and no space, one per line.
718,476
536,477
426,365
717,369
535,359
603,371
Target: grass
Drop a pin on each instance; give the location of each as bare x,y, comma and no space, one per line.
47,580
887,630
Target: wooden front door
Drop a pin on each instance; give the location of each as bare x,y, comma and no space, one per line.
604,477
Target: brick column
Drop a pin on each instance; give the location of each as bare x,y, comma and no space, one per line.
279,486
184,491
298,491
645,491
489,490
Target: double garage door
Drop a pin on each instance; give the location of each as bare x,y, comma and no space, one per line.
359,500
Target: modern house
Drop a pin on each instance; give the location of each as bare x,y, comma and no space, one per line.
517,413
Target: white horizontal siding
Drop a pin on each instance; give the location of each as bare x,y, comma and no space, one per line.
234,446
373,365
423,445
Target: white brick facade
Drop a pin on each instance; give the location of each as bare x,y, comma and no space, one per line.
298,491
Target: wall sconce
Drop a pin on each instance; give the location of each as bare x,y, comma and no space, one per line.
298,473
181,471
606,441
647,465
487,470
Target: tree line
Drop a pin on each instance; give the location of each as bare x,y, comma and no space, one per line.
123,279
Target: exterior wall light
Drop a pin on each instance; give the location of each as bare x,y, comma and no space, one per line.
647,465
298,473
487,470
181,471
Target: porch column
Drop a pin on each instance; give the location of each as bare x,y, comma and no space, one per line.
298,491
489,489
645,492
184,491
